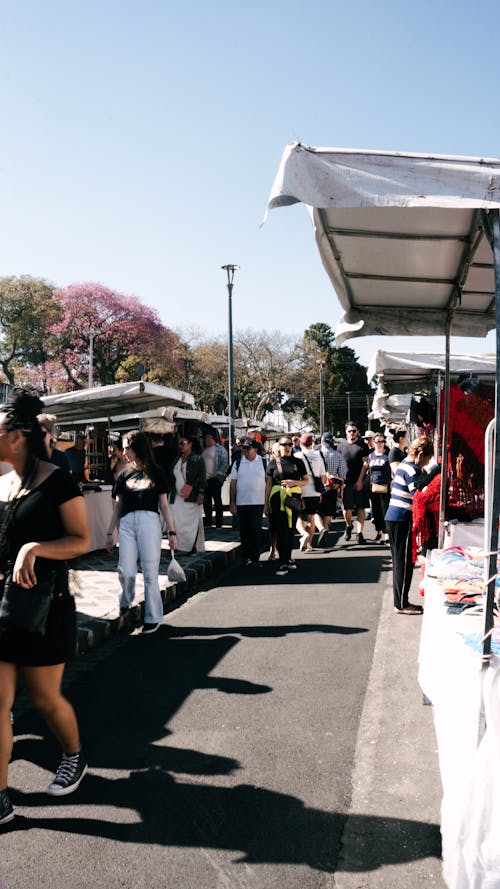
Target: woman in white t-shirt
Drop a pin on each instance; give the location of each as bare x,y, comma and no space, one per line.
247,498
316,475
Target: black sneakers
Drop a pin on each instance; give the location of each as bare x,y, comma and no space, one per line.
348,532
361,539
69,774
6,808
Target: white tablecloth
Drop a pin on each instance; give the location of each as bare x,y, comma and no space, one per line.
450,675
99,506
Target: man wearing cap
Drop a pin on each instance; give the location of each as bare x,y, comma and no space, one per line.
336,471
216,464
315,468
247,498
355,453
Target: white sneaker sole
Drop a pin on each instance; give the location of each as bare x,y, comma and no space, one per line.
8,818
58,790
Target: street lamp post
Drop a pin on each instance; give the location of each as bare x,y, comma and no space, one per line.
92,334
230,270
348,405
321,363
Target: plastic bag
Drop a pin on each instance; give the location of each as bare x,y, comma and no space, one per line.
175,572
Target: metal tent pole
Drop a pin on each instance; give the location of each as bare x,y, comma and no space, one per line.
494,232
444,432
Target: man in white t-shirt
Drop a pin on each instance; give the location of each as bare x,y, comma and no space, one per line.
247,497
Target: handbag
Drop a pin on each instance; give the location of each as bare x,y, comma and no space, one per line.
293,503
379,489
26,609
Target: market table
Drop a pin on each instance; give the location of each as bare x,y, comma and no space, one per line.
451,676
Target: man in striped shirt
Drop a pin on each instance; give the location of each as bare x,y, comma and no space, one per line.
398,521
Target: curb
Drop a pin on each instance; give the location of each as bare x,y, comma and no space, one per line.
94,631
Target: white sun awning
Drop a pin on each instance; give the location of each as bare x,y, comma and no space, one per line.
403,237
403,371
106,402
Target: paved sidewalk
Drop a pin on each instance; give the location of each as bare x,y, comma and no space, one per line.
94,583
392,838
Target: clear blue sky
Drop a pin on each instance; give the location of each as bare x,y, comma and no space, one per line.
140,139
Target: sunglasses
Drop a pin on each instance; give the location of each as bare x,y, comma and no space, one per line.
285,444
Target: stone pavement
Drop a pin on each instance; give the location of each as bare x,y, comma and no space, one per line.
94,583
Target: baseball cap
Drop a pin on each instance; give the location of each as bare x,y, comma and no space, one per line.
306,439
327,436
248,443
369,433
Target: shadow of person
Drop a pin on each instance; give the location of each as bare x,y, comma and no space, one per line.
264,631
125,704
264,826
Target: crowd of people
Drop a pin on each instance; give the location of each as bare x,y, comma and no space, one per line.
298,485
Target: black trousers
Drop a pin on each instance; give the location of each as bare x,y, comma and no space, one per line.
250,522
380,502
400,536
213,499
284,534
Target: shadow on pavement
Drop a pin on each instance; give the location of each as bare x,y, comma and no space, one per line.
316,568
124,706
264,631
264,826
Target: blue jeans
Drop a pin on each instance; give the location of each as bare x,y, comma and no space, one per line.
140,536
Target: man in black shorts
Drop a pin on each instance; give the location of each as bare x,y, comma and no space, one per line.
355,453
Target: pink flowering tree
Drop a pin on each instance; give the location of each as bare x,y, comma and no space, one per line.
125,333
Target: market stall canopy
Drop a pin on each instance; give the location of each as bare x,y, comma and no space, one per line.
389,408
107,402
399,374
404,371
167,419
403,237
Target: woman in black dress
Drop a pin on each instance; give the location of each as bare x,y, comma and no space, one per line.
285,475
43,522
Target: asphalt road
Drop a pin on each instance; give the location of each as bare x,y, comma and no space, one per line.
221,748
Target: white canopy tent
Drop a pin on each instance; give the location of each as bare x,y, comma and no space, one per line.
400,374
402,236
121,400
402,371
411,243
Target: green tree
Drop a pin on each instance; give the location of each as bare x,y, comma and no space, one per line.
344,380
27,313
264,371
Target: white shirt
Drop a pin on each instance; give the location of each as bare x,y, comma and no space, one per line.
209,458
250,477
312,460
